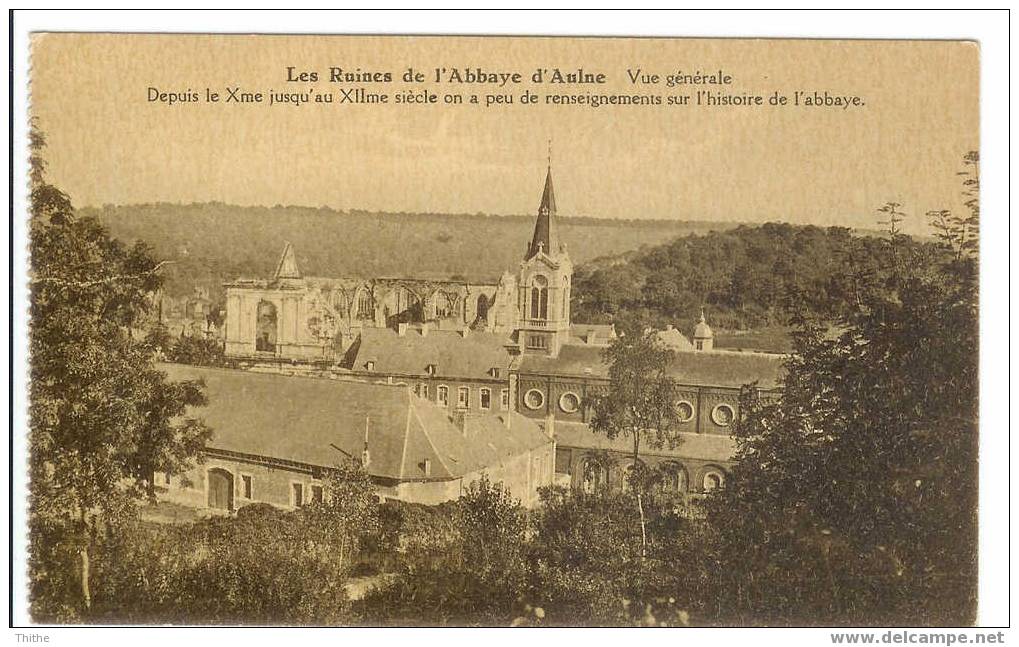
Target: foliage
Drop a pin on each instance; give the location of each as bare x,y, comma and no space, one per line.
198,351
102,418
261,567
748,277
474,579
854,497
349,512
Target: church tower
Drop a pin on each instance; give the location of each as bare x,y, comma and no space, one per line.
545,279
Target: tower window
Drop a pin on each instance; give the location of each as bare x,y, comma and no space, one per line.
539,298
539,342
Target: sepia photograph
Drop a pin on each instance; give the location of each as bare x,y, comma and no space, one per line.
502,331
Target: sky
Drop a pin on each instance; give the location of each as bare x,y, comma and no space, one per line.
108,144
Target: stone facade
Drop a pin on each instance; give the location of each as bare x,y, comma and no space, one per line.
489,347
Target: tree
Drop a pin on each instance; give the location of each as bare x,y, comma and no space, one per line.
854,495
350,513
640,403
102,419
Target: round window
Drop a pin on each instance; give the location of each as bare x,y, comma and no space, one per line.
534,399
569,402
684,411
723,415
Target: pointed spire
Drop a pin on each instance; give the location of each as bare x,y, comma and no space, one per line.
287,267
546,232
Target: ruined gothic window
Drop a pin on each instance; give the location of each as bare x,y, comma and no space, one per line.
365,307
539,298
265,327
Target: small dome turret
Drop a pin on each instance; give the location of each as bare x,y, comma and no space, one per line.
703,337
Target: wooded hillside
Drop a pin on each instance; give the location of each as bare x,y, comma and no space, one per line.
213,242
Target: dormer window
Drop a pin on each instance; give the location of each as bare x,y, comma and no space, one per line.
494,371
431,369
369,366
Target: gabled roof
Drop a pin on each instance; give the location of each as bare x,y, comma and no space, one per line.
287,266
453,354
318,422
715,368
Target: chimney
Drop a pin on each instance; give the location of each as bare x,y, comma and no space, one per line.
401,329
424,329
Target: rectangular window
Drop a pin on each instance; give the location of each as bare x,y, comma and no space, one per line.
537,341
486,398
316,494
298,493
562,461
444,395
504,400
463,397
424,391
246,486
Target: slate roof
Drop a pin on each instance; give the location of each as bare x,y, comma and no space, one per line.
300,419
546,232
707,447
452,354
714,368
604,333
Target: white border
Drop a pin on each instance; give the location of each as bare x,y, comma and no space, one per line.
991,30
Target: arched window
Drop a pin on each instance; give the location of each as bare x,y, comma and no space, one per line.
365,305
632,471
595,475
713,480
482,307
673,477
265,327
539,298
